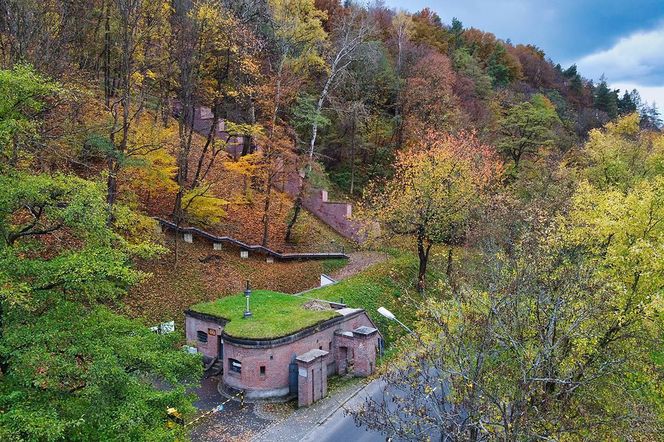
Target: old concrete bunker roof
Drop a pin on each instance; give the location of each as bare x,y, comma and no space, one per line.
274,314
364,330
312,355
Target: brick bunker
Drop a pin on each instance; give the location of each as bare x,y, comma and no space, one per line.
287,347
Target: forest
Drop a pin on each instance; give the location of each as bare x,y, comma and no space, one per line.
527,199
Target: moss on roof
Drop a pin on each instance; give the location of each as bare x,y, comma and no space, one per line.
274,314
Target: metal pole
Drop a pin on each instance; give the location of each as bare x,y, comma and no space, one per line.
404,326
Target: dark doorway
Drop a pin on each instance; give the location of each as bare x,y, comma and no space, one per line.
292,378
220,346
343,360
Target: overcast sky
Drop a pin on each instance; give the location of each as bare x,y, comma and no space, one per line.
622,39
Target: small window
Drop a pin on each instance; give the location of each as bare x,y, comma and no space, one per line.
271,357
202,336
234,365
262,370
330,346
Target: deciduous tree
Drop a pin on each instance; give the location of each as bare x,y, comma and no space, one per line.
435,188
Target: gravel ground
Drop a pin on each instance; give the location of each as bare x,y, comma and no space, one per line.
236,422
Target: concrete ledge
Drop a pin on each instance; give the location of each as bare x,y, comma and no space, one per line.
205,317
276,342
249,247
276,395
272,393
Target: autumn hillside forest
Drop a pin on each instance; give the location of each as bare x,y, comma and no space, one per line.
511,213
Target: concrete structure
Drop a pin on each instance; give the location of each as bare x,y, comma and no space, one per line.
336,214
236,144
294,365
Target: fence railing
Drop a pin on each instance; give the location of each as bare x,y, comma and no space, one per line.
251,247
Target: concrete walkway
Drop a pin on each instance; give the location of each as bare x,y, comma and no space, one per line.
341,426
302,421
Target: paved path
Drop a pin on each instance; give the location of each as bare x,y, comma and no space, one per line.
340,426
358,262
326,420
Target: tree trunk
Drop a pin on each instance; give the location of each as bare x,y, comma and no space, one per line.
423,255
303,184
107,54
112,189
449,270
296,212
352,159
266,210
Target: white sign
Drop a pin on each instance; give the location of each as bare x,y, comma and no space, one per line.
164,328
326,280
190,350
302,372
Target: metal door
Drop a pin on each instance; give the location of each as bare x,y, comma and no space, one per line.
292,378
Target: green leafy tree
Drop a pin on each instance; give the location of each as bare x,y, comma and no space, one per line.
24,98
620,154
433,192
72,369
497,69
526,128
552,341
466,64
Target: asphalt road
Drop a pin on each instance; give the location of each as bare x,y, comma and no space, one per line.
340,426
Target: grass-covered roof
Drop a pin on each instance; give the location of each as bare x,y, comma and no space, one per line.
274,314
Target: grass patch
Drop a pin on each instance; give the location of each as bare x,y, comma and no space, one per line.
389,284
274,314
337,383
332,265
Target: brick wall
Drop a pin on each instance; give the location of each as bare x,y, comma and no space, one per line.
210,349
365,349
312,382
335,214
277,359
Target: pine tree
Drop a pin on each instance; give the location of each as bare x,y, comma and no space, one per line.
650,117
626,105
605,99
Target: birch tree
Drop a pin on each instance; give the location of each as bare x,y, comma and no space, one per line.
298,39
353,31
